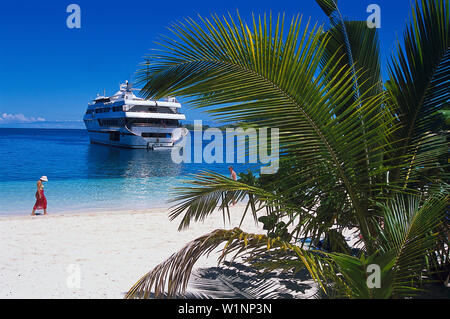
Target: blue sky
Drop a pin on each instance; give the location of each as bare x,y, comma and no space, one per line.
50,72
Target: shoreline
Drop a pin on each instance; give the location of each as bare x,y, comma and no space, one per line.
83,212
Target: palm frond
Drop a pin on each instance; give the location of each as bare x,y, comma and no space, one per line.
339,131
209,190
328,6
250,73
358,45
418,86
410,235
171,277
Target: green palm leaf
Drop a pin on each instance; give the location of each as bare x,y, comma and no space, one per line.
338,131
418,87
311,213
172,275
359,47
253,74
209,190
410,235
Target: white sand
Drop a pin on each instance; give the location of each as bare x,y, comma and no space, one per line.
39,256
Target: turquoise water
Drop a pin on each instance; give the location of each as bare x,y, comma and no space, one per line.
84,176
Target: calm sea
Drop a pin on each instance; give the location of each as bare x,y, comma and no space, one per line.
84,176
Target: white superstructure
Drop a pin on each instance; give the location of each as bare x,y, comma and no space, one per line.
126,120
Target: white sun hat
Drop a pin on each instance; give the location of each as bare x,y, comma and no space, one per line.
44,179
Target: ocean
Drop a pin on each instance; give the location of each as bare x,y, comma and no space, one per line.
85,177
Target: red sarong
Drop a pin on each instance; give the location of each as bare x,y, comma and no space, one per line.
41,203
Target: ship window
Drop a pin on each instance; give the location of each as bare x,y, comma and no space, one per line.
102,109
104,122
156,122
158,135
165,110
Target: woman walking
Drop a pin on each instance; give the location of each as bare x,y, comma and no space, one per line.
41,201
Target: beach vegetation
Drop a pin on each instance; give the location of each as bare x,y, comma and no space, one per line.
360,153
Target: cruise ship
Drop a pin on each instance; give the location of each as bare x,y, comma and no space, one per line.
125,120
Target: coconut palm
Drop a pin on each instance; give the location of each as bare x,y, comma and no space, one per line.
355,150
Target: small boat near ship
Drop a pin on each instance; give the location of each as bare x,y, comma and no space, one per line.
126,120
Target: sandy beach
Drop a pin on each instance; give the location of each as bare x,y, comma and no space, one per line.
42,256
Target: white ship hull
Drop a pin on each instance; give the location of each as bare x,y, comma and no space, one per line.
132,138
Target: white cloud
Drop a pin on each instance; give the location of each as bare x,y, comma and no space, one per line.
18,118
